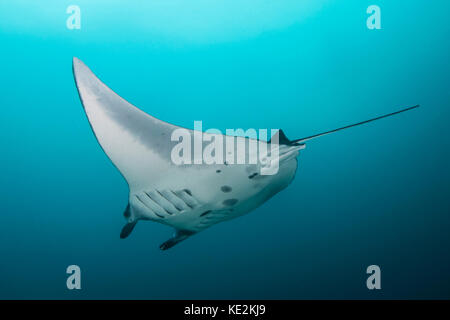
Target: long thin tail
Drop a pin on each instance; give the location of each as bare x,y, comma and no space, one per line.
352,125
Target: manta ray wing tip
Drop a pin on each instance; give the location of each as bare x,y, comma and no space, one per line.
79,68
76,60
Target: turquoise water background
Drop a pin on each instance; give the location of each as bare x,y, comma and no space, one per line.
377,194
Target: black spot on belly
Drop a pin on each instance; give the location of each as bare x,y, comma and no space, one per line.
226,188
205,213
218,171
230,202
252,175
188,191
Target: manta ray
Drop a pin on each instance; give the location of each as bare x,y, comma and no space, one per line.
187,197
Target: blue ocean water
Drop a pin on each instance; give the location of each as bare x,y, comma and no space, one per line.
377,194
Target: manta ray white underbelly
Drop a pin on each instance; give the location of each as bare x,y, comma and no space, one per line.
188,197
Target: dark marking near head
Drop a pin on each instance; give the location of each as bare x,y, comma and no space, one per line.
218,171
226,188
252,175
230,202
205,213
225,163
188,191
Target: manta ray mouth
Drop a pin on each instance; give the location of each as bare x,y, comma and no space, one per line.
290,153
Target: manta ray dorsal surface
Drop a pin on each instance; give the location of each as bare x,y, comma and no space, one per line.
187,197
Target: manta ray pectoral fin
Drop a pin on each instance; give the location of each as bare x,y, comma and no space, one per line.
138,144
179,236
126,230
